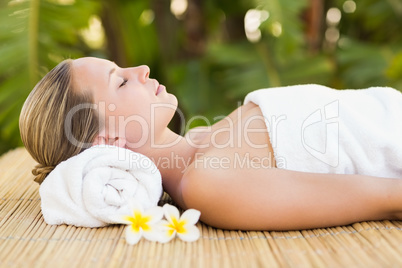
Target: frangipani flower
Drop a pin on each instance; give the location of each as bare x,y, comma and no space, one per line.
142,223
183,226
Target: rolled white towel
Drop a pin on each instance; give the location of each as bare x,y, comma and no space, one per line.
95,186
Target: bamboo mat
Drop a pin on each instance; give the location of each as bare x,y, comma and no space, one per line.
27,241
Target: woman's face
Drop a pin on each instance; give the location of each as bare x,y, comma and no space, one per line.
128,100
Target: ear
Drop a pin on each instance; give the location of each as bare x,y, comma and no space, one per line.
120,142
100,138
104,139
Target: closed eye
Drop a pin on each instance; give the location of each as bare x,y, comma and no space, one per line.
124,83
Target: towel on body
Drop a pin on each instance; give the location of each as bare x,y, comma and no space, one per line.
314,128
95,186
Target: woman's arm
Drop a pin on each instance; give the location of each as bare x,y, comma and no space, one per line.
276,199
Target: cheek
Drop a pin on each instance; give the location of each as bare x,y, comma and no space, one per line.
136,103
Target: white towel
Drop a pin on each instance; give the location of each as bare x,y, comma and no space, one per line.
95,186
318,129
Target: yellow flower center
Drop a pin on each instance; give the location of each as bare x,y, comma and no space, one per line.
178,226
139,221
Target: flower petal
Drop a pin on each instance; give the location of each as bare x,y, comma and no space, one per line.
154,233
192,234
166,232
132,237
171,212
191,216
156,214
120,219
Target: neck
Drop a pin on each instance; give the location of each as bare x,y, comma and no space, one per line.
172,154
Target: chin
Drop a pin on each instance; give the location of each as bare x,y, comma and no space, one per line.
173,100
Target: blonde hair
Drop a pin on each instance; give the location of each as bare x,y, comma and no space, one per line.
43,120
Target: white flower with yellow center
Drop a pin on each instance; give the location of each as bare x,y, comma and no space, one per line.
183,226
142,223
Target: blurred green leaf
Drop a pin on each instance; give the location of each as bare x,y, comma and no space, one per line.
32,34
362,65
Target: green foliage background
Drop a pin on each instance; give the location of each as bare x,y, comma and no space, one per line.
204,56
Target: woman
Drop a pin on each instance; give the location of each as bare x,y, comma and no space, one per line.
228,171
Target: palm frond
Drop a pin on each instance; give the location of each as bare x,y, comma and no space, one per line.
33,34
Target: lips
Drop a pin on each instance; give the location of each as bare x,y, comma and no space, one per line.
159,89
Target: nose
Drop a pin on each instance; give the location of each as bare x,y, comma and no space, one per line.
143,73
